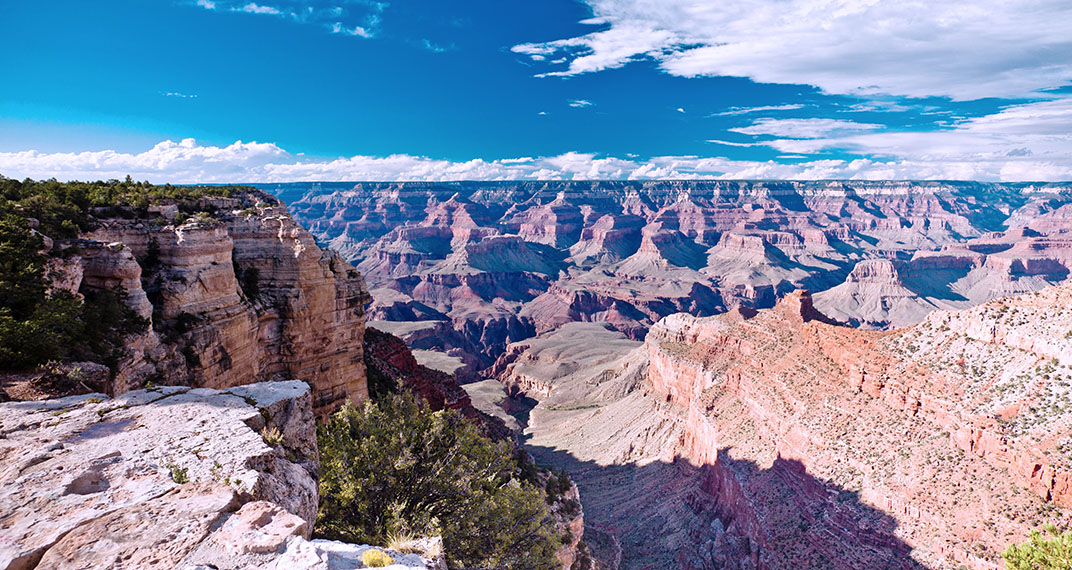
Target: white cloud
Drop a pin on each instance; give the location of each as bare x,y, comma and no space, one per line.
761,109
1032,141
359,18
436,48
252,8
958,48
804,128
338,28
731,143
999,154
178,95
580,103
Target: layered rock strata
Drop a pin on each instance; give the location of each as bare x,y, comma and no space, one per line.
244,294
498,262
934,446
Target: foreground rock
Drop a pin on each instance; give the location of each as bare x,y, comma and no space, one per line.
166,478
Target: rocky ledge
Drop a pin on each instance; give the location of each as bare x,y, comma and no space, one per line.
171,477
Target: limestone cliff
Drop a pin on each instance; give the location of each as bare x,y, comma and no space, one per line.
237,293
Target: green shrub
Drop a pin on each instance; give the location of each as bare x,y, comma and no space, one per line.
391,467
1049,551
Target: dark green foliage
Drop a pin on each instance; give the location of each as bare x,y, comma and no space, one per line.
64,208
22,278
557,485
42,335
1049,551
36,327
392,467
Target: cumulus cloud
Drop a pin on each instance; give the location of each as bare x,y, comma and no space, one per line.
959,48
1006,147
252,8
580,103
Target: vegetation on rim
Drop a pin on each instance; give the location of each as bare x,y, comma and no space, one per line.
391,466
38,325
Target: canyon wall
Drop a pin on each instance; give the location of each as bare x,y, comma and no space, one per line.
499,262
238,293
935,446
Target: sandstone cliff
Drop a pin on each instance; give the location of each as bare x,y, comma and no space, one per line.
777,439
935,445
166,478
238,293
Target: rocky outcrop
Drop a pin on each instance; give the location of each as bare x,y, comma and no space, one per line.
171,477
241,295
908,442
391,367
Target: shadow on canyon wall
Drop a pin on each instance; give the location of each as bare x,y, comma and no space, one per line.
733,515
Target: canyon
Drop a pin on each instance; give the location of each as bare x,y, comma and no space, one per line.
778,438
659,342
484,264
751,375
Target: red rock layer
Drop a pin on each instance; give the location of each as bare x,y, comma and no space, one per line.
949,437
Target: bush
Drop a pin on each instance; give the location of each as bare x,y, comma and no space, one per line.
1050,551
391,467
376,559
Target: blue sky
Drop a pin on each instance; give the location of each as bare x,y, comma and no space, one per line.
276,90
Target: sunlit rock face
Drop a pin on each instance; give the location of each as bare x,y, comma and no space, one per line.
239,294
171,477
497,262
908,441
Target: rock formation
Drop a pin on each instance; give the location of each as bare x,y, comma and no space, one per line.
808,444
935,445
498,262
171,477
237,294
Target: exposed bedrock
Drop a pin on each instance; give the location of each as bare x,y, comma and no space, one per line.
915,443
245,296
552,252
167,478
